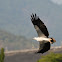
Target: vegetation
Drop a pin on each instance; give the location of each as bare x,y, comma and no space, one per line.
2,55
14,42
52,57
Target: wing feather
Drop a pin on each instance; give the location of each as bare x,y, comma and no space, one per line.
37,22
44,47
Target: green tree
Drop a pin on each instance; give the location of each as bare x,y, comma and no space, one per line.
52,57
2,55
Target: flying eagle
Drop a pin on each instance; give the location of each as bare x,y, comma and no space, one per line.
43,34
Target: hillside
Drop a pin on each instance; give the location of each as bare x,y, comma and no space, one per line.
13,42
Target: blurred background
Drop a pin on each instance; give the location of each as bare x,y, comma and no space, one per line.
16,29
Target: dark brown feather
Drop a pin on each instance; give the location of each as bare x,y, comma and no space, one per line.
36,21
45,48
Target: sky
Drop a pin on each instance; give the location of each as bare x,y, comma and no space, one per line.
59,2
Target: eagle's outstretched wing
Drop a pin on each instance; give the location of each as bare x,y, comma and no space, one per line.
39,26
43,47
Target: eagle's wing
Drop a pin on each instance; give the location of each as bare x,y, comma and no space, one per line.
44,46
39,26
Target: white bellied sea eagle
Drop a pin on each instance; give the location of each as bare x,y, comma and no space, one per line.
43,34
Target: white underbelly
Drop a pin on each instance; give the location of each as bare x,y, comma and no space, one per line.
41,39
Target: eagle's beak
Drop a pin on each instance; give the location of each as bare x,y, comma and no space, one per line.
54,40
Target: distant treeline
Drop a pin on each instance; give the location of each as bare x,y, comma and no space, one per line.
13,42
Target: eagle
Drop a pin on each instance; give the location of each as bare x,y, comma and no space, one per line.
43,35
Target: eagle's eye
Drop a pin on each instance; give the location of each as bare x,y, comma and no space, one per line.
52,40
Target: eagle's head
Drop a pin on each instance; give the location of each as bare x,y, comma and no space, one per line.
52,40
